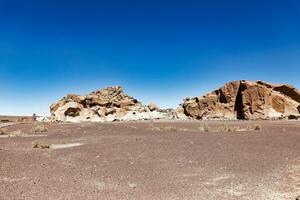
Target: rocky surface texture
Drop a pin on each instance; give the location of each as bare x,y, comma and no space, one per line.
109,104
134,161
246,100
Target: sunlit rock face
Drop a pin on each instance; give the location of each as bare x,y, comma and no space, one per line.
245,100
108,104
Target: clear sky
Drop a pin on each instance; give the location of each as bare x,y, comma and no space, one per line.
159,51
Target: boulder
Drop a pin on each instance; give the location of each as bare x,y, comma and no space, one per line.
108,104
153,107
245,100
179,113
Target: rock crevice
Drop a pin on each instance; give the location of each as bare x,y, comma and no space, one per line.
239,105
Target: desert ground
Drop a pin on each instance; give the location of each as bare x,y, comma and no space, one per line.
151,160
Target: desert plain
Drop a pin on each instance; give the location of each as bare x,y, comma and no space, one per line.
150,160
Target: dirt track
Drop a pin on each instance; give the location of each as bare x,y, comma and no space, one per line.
136,161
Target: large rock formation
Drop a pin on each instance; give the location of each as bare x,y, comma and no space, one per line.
109,104
245,100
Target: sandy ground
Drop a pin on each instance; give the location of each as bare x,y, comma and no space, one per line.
152,160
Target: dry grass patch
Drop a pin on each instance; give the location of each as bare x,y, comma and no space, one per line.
224,128
229,129
164,128
39,129
169,128
38,145
17,133
153,128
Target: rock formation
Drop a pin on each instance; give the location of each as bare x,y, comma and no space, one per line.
153,107
245,100
235,100
109,104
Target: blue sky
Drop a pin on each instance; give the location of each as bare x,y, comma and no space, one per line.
159,51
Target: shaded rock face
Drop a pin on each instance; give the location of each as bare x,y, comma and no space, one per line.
109,104
245,100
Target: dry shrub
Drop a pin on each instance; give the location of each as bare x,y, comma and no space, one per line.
169,128
3,131
164,129
225,128
222,129
257,127
153,128
37,145
229,129
206,128
39,129
17,133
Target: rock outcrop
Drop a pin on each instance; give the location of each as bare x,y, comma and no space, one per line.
153,107
109,104
245,100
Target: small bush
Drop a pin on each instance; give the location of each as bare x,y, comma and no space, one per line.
17,133
3,131
257,127
229,129
37,145
39,129
45,146
206,128
232,129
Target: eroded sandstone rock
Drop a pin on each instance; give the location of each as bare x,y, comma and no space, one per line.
109,104
153,107
245,100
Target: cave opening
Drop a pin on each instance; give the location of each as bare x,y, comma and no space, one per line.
72,112
239,105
